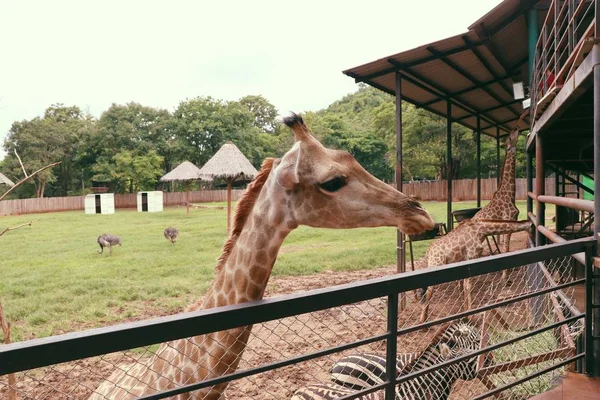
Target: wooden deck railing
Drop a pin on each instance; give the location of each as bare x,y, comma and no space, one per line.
566,36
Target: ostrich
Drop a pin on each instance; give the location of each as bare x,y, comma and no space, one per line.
108,240
171,234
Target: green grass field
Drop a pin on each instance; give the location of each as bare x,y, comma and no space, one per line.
52,280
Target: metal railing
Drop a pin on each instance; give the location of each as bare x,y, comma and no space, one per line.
49,352
567,27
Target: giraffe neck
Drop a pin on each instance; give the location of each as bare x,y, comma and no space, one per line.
507,179
245,273
261,224
242,277
484,228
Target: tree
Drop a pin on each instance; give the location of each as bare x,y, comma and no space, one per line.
57,136
129,171
265,113
204,124
136,128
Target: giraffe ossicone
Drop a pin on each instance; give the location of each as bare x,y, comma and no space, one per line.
310,185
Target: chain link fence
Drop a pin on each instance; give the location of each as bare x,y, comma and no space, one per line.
328,336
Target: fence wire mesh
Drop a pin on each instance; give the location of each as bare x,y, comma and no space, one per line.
297,336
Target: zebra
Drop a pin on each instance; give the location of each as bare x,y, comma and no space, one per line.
360,371
108,240
329,391
452,340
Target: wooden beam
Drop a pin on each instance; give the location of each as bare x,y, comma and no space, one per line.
510,365
491,109
416,62
474,87
468,76
443,93
488,67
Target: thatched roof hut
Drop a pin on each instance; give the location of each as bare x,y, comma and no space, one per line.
5,181
229,163
185,172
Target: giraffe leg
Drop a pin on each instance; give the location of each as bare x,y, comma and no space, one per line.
425,298
506,239
467,293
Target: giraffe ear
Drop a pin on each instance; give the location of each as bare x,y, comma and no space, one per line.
445,350
286,173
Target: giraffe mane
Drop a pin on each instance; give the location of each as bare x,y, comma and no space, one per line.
438,338
243,209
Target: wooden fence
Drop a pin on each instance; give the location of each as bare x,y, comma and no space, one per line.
127,200
464,189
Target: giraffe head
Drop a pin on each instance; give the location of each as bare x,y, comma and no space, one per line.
328,188
513,136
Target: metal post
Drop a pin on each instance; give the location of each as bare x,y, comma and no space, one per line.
596,285
478,161
556,182
591,347
449,164
400,237
498,169
401,251
529,181
540,188
532,25
597,144
391,346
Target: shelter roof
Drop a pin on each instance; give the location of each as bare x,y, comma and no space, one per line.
186,171
229,162
474,70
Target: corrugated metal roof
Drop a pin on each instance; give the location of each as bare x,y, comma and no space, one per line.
475,69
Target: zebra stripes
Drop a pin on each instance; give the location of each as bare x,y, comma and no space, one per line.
329,391
360,371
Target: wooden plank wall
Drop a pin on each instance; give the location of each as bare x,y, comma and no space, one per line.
126,200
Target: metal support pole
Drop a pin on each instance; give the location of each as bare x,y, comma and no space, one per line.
592,350
449,164
478,161
391,346
401,251
557,183
498,168
597,145
540,188
400,237
529,181
532,34
596,271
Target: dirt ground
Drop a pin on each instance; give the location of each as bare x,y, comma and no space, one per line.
282,339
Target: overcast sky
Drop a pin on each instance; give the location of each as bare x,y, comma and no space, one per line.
158,53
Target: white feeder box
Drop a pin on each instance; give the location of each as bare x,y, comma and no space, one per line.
103,203
150,201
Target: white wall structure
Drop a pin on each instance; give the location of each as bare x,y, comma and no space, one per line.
103,203
150,201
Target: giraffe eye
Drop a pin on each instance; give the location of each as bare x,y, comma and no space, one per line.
333,185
